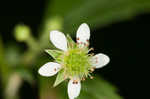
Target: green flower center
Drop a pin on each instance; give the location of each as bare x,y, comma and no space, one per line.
76,62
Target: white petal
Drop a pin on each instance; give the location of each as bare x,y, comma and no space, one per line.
83,34
59,40
100,60
49,69
74,88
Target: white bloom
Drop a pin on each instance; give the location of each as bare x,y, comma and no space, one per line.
60,42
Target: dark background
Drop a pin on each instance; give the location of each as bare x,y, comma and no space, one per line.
126,43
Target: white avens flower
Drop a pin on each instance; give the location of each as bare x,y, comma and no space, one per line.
73,60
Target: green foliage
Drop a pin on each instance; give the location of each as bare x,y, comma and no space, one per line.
1,52
98,89
95,12
13,51
4,69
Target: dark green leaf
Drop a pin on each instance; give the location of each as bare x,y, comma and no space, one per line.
104,90
96,13
102,12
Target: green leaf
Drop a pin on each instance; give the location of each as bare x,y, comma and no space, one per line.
104,90
97,13
60,78
54,53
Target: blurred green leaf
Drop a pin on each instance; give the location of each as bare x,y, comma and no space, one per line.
13,54
98,88
1,51
102,12
60,78
96,13
60,8
5,70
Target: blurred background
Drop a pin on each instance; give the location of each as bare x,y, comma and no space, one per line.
119,28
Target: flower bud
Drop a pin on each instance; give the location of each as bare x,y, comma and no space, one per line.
22,32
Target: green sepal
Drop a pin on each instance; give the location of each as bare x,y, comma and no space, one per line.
54,53
71,43
60,78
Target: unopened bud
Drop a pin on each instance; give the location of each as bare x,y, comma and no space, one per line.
22,32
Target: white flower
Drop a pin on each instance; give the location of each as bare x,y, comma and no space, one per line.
60,42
